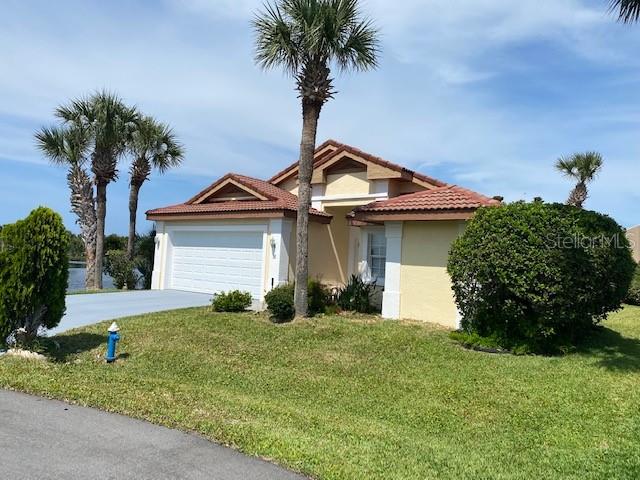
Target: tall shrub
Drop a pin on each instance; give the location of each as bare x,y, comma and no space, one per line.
144,255
34,271
118,266
537,276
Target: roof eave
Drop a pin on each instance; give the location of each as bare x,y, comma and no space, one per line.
230,215
414,215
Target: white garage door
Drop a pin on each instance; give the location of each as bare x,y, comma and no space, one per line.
211,262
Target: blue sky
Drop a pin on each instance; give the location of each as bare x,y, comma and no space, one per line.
481,93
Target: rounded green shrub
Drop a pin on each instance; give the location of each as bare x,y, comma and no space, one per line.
633,296
280,303
232,301
536,276
34,272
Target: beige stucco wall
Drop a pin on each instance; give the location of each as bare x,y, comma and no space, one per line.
329,248
425,285
354,183
633,234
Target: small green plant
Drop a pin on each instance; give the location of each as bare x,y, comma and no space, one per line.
356,295
280,300
119,267
319,297
633,296
232,301
280,303
34,272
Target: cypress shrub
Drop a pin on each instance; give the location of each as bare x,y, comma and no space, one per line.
34,272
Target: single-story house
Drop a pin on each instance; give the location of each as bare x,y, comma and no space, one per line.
368,217
633,234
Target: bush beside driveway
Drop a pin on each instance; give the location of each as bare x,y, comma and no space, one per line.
357,397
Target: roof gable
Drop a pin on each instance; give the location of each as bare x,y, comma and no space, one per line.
228,188
331,152
253,198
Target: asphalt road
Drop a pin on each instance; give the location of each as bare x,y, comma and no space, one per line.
46,439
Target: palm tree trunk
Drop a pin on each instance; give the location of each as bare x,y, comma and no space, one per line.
134,191
90,260
101,213
310,116
83,205
578,195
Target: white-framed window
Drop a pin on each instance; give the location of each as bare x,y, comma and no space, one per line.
377,255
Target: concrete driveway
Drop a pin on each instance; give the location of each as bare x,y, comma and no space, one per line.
47,439
97,307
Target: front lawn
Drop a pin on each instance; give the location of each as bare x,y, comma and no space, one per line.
344,398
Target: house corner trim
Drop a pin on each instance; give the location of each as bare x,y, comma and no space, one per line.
392,294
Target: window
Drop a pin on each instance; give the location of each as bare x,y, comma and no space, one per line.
377,256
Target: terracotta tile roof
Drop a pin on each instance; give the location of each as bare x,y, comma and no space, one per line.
447,198
277,200
341,148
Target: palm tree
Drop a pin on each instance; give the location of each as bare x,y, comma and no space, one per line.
628,11
110,123
68,147
152,145
306,38
582,167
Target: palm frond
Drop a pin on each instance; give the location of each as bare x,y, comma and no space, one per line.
275,42
582,167
51,142
63,145
361,49
628,11
153,144
78,112
168,152
566,166
310,35
588,165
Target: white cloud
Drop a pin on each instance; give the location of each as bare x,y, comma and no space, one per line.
445,99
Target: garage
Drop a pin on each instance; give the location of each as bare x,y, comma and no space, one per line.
236,234
214,261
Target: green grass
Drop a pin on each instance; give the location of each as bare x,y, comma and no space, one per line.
89,292
344,398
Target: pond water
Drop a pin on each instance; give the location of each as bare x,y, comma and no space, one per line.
77,273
